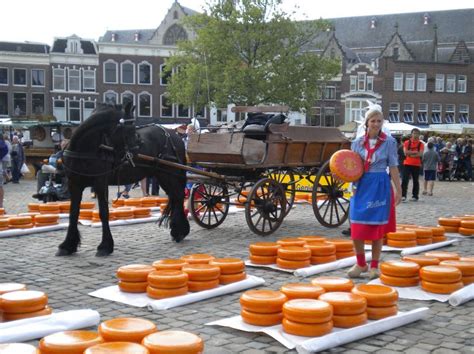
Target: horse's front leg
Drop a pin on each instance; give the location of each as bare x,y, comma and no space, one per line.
106,247
73,237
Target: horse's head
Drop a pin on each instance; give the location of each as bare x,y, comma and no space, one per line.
123,133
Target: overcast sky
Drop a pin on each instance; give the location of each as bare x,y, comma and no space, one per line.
41,21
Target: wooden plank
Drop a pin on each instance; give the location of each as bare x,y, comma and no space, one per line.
259,109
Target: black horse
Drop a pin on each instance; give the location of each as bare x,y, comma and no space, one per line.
104,151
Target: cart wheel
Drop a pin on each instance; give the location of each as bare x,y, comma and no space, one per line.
330,206
265,207
287,180
209,204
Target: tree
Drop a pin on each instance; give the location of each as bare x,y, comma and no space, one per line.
248,52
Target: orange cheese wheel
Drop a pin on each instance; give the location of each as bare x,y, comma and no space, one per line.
331,284
134,272
23,226
344,321
117,203
49,208
286,264
323,259
439,239
341,255
202,272
310,239
232,278
41,224
401,244
261,319
85,214
441,288
449,222
443,256
69,342
23,301
198,258
132,287
306,329
402,236
229,265
440,274
342,245
307,311
9,287
400,268
47,218
421,232
468,224
424,241
87,205
465,231
437,230
376,295
319,249
157,293
17,348
262,259
301,291
200,285
399,281
126,329
346,165
173,342
141,212
450,229
291,241
167,279
20,220
467,279
421,260
132,202
64,207
345,303
169,264
33,207
376,313
294,253
264,248
467,259
466,267
4,223
123,214
263,301
20,316
117,347
150,201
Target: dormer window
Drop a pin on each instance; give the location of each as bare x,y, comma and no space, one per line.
426,19
373,23
74,46
114,37
395,52
137,36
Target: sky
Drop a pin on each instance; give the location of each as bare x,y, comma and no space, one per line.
41,21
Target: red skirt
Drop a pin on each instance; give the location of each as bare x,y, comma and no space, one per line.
375,232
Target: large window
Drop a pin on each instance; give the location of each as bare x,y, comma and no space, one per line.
462,83
3,76
59,79
88,80
394,114
144,104
329,116
74,111
421,82
128,97
450,113
370,83
463,113
128,72
398,82
410,82
110,97
408,112
166,107
315,116
353,83
110,72
439,87
19,77
89,106
3,103
355,110
183,111
423,113
144,73
19,102
436,113
164,75
37,77
451,83
74,80
37,103
59,110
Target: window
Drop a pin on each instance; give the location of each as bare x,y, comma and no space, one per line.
462,83
19,102
398,82
436,113
59,79
439,83
59,110
408,112
395,52
144,105
19,77
393,115
110,72
353,83
463,113
37,77
110,97
74,111
329,117
315,117
199,111
3,76
128,97
329,93
89,106
3,103
451,83
88,80
450,113
410,82
361,81
370,83
128,73
421,82
74,79
355,110
144,73
37,103
164,75
183,111
166,107
423,113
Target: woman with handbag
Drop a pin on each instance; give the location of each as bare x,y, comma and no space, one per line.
372,211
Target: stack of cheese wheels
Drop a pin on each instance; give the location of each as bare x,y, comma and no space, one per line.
126,329
132,202
307,317
96,216
467,227
46,220
141,212
117,347
4,224
87,205
293,257
123,213
197,258
438,234
322,252
85,214
263,252
381,300
33,207
399,273
169,342
169,264
20,222
149,202
333,284
262,307
9,287
117,203
450,224
349,309
70,342
466,268
133,277
311,239
202,276
424,236
167,283
344,248
441,279
17,305
232,269
401,239
64,207
302,291
49,208
17,348
443,256
300,196
34,214
421,260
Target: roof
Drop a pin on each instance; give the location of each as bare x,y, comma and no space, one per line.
24,47
128,36
60,44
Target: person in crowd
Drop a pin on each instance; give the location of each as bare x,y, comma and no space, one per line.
464,157
6,160
439,145
372,210
430,163
413,149
17,159
401,153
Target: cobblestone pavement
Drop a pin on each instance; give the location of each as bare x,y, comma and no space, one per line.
67,281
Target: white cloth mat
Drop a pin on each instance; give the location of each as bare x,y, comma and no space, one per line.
38,327
33,230
413,250
113,293
337,336
152,218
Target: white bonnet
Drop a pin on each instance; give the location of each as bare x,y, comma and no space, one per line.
372,109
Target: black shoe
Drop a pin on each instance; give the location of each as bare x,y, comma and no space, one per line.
346,232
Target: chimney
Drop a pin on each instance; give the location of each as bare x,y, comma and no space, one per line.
426,19
373,23
137,36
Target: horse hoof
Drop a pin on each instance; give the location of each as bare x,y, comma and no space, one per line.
178,239
63,252
103,253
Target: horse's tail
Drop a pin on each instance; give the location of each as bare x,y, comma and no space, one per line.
165,216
